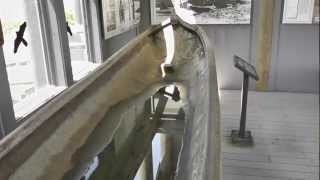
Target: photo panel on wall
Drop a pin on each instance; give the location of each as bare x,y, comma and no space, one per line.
119,16
203,11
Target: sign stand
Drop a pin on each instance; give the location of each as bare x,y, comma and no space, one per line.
241,136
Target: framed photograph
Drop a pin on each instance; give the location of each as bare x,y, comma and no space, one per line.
119,16
300,12
161,10
214,11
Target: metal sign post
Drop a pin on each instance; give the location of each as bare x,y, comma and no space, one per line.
241,136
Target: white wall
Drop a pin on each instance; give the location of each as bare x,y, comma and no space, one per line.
297,65
227,41
295,53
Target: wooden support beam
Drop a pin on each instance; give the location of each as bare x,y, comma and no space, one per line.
136,147
132,153
164,170
171,116
109,157
145,171
160,107
170,146
171,127
265,26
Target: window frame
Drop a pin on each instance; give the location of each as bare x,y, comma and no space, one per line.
56,53
92,22
7,117
55,41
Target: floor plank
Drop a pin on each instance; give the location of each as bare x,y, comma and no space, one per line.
285,127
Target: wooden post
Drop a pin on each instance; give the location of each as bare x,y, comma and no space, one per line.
264,43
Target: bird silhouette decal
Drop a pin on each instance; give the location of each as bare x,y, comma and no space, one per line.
69,29
20,38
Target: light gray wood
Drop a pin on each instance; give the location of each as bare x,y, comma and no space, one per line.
136,147
285,128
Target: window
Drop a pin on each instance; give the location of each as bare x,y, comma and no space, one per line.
77,35
301,12
24,56
40,67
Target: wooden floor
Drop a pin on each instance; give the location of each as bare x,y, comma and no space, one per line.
285,128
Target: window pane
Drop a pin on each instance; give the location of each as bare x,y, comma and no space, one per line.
26,67
77,39
301,11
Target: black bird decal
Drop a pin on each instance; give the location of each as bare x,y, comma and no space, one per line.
20,38
69,29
